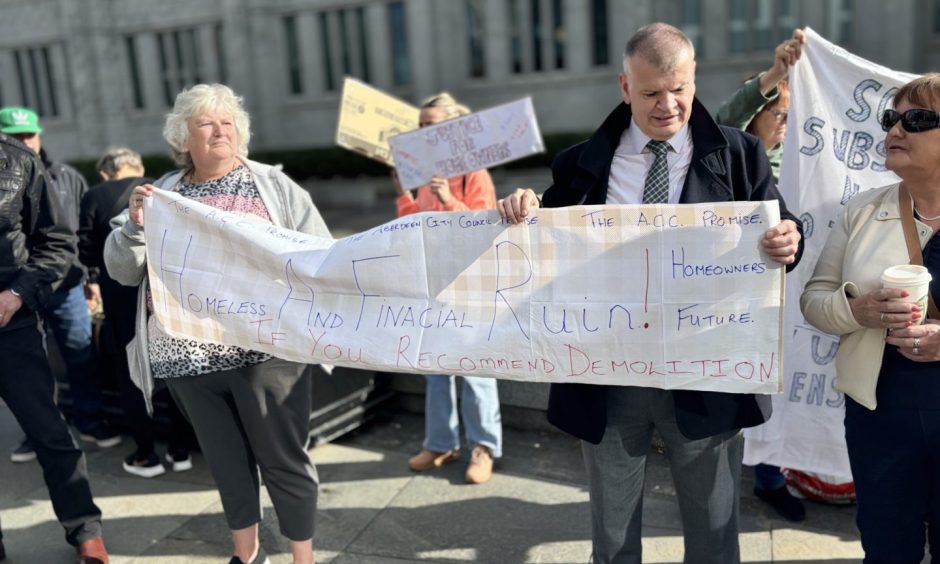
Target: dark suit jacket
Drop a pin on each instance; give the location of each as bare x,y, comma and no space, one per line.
101,203
727,165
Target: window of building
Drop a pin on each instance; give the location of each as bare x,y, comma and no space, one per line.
600,52
537,35
759,25
36,77
936,16
292,46
401,64
133,71
325,43
344,43
558,33
363,44
218,38
475,37
180,61
535,12
515,31
690,21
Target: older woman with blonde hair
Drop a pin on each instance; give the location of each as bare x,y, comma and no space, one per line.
249,410
889,356
479,402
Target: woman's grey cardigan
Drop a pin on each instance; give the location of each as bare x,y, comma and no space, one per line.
288,204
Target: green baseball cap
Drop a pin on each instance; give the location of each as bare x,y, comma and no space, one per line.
19,120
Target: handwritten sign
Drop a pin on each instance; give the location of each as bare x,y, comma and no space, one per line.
368,118
458,146
834,150
667,296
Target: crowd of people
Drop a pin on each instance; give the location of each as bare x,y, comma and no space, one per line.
67,247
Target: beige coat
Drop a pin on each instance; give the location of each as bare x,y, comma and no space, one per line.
867,239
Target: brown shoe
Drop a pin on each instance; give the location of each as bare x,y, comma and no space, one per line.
426,459
92,552
480,469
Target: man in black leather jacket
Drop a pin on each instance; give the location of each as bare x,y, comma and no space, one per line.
35,253
66,314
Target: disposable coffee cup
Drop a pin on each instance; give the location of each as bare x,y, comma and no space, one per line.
913,278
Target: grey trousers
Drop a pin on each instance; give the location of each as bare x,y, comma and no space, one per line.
706,474
250,418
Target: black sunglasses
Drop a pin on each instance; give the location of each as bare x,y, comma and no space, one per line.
913,121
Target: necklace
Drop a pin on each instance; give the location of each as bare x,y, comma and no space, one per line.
924,217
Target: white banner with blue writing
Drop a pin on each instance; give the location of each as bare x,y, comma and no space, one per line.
668,296
834,149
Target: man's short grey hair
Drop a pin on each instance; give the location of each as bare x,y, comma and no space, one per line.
116,158
659,44
200,99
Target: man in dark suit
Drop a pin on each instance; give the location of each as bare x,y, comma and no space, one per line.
661,146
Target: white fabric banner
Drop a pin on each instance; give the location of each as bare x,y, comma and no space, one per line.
473,142
833,150
670,296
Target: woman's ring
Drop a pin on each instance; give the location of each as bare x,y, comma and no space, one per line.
882,317
917,342
915,350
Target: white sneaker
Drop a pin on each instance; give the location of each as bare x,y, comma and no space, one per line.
147,468
180,460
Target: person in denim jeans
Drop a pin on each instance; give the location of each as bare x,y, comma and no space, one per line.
479,404
66,315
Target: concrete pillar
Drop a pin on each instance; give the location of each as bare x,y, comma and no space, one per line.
715,30
496,41
309,41
150,75
579,39
208,58
421,47
379,45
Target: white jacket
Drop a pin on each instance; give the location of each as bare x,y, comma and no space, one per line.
867,239
125,256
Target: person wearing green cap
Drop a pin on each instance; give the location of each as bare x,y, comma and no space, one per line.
36,253
66,316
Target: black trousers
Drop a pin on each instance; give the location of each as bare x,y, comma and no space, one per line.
895,457
27,388
120,310
250,419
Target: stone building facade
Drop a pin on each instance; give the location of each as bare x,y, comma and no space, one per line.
103,72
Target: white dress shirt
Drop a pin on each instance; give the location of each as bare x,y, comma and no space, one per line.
632,160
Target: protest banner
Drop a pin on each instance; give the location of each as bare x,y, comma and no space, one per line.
368,118
668,296
834,149
461,145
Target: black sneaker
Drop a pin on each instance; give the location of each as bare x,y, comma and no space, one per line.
23,453
144,466
3,552
179,458
787,506
102,435
261,558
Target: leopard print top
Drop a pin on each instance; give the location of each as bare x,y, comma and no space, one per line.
173,358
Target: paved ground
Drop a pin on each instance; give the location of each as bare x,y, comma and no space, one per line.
373,510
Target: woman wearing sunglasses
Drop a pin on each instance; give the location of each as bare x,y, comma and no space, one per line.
888,362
